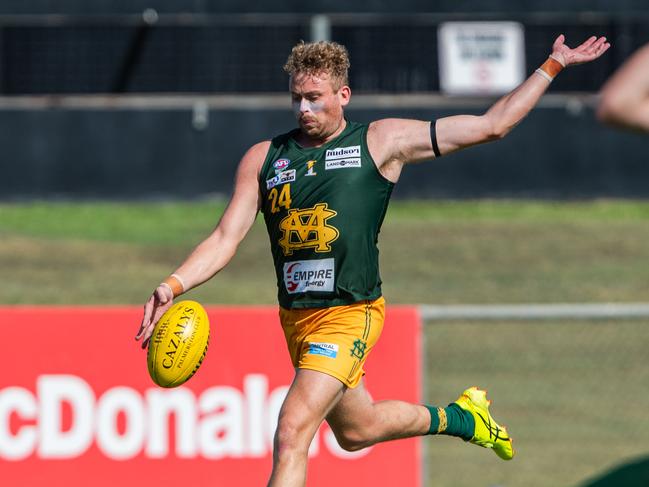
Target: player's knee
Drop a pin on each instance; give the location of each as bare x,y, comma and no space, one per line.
352,445
290,439
352,439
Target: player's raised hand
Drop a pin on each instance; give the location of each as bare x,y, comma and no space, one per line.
591,49
159,302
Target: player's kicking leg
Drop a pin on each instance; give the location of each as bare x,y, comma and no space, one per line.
487,432
358,422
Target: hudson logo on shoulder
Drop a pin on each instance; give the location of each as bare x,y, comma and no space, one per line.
343,157
301,276
281,178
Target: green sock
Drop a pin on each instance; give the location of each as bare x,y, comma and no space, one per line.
458,421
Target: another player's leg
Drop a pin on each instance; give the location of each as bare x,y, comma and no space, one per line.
310,398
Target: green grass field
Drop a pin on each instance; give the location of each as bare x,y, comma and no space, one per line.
573,393
470,252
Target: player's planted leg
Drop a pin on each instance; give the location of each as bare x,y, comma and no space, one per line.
310,397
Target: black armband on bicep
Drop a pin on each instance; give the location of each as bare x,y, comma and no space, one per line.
433,138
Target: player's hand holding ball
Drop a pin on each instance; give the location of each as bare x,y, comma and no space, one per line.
177,335
178,344
159,302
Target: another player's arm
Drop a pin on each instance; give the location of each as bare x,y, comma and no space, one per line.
625,96
213,253
394,142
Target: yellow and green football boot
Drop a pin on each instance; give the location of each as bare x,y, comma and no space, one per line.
488,433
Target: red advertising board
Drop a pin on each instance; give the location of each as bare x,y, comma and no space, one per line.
77,406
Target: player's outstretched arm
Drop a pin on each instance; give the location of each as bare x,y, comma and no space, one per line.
405,141
213,253
457,133
625,96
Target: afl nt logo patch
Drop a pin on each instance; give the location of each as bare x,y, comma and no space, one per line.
281,164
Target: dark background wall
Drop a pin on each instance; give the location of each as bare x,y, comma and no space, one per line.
149,154
219,54
105,47
300,6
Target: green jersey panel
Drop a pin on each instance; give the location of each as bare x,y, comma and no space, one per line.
323,209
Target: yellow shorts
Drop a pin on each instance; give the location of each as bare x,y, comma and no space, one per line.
336,340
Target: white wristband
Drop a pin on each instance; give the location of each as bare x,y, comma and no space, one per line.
544,74
164,284
557,60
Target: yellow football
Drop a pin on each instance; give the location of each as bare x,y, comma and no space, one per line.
178,344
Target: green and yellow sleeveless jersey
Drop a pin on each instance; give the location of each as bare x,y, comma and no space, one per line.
323,209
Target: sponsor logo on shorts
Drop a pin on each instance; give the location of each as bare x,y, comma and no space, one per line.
343,157
301,276
325,349
281,164
281,178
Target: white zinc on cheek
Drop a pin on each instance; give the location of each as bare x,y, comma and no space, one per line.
307,106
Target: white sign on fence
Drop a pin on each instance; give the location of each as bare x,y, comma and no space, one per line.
480,58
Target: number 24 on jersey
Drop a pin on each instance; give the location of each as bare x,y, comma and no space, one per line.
280,198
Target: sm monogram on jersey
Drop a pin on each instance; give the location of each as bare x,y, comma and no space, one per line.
343,157
308,229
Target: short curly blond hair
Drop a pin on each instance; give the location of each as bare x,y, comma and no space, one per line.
320,57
